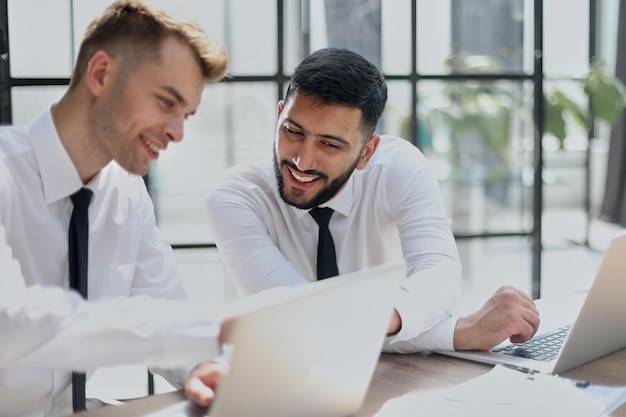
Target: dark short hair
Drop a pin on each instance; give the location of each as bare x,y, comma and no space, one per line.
341,76
135,31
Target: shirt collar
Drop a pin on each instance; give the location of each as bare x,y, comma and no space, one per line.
58,173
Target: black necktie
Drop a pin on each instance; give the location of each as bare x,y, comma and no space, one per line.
78,248
326,257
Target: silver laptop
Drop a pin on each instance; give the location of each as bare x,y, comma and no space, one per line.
305,351
579,334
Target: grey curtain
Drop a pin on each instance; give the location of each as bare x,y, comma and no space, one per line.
614,204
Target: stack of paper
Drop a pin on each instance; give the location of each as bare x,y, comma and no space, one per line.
511,393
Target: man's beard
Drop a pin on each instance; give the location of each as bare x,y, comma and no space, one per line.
113,141
328,192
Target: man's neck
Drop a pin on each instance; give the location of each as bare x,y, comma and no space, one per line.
71,121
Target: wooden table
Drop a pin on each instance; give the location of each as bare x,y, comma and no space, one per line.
396,375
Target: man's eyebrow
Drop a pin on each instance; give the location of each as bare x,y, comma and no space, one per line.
337,138
181,100
176,94
327,136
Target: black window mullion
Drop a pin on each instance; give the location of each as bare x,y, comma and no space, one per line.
5,73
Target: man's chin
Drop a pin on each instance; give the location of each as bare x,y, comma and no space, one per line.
137,170
296,202
140,172
303,205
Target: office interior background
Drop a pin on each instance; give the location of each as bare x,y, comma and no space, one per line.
466,85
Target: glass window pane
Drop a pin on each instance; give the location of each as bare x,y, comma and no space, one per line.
434,43
566,37
378,30
470,36
296,34
253,49
396,117
40,43
607,32
83,12
28,102
234,124
564,169
489,263
529,36
488,30
481,152
396,37
254,113
351,24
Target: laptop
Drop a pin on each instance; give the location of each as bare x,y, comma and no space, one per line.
304,351
586,333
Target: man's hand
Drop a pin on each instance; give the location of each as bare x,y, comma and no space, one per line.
395,324
203,381
509,313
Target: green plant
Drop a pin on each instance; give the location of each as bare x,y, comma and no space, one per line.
606,99
470,120
476,117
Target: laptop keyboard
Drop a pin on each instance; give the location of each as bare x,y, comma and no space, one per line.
544,347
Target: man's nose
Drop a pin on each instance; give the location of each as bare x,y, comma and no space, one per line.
306,157
175,129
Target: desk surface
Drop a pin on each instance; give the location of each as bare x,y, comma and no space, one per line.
397,374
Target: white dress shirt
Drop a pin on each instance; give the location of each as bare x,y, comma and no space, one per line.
47,330
390,209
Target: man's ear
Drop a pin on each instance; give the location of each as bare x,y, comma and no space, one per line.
98,72
281,105
368,151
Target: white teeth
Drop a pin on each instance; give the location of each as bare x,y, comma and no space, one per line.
151,145
302,179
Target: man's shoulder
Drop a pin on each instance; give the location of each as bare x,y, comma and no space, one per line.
248,176
396,142
16,155
393,149
13,140
250,185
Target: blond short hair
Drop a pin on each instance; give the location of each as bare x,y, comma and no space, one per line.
134,31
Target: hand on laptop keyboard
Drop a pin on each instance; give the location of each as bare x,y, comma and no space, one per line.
508,314
544,347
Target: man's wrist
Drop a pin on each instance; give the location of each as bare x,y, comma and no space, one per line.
461,338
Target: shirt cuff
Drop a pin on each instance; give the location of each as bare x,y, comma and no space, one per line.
439,337
416,319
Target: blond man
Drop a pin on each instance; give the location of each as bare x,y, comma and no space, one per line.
139,75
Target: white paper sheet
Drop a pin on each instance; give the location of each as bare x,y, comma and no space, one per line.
511,393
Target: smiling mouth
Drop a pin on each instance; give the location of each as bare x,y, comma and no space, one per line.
151,145
301,178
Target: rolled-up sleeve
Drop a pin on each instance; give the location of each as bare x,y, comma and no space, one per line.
429,299
38,324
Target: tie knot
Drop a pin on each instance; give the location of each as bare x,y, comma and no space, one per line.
82,198
322,216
